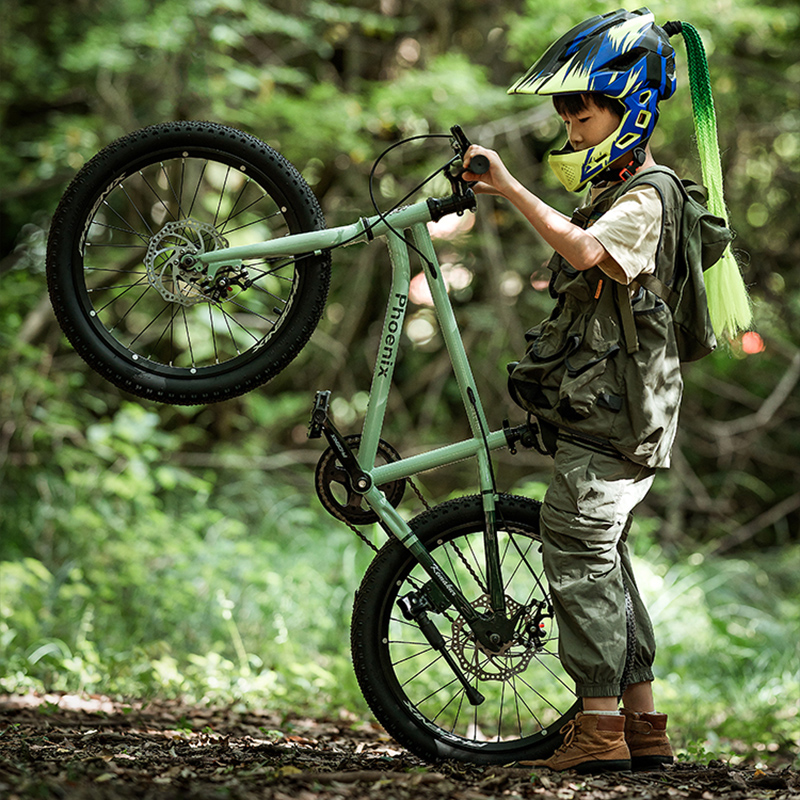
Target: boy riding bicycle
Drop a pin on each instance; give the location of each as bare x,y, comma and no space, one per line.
608,380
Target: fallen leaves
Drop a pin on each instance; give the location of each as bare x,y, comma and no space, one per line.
94,748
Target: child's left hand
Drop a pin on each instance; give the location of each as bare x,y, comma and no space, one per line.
498,180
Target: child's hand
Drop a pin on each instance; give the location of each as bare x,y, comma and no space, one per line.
496,181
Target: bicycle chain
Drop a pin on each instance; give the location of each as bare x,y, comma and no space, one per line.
461,556
454,622
361,535
427,507
418,493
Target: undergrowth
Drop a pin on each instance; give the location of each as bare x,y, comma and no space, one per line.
133,578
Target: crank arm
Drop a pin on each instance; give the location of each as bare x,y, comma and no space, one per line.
436,641
321,425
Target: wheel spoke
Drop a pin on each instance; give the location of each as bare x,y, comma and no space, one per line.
197,188
159,199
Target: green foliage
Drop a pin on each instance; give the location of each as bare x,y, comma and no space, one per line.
174,590
728,661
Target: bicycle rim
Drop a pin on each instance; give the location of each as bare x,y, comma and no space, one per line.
408,684
139,307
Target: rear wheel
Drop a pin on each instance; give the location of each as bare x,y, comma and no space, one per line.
122,274
408,685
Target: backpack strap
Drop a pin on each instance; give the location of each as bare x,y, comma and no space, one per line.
625,309
659,289
649,281
622,295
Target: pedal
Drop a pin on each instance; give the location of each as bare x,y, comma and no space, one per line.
319,414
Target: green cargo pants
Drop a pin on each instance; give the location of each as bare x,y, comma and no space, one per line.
584,522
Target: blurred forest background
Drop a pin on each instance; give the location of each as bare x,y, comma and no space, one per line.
153,550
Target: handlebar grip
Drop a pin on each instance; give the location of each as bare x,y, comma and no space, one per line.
478,165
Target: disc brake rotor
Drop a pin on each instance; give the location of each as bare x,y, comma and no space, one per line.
170,262
476,662
338,497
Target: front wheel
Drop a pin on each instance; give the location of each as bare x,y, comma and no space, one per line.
408,685
122,269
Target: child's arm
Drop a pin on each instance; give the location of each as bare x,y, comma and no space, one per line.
576,245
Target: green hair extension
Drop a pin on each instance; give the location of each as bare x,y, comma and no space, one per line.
728,302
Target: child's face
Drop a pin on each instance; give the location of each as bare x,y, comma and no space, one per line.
590,126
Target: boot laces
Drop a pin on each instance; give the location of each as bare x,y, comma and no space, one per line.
569,730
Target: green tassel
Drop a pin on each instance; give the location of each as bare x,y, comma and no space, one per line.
728,302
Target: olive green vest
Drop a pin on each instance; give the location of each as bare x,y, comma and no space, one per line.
594,369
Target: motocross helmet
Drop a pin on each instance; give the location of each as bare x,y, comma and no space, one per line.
621,54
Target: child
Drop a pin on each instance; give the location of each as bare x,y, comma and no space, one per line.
603,369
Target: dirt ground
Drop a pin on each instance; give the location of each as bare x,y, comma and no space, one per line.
67,746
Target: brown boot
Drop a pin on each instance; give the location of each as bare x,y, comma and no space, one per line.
646,737
592,743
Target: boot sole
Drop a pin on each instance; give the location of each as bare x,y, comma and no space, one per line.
593,767
650,763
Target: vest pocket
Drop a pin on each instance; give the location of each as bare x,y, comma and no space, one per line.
534,381
574,283
582,383
564,365
580,387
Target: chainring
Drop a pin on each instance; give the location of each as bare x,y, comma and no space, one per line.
336,494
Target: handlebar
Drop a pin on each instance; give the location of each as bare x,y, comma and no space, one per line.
462,199
455,204
479,165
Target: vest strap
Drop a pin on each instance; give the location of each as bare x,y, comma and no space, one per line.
659,289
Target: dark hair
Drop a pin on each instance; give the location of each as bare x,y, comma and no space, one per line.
575,103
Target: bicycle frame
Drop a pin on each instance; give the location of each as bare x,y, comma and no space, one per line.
411,219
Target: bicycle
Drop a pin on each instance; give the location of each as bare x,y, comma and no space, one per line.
189,263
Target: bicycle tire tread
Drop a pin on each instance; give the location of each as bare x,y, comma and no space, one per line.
72,209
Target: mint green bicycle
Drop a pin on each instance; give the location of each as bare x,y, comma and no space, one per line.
189,263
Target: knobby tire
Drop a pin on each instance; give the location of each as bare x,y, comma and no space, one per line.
410,689
145,320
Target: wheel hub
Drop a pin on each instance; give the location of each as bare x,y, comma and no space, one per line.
173,268
512,658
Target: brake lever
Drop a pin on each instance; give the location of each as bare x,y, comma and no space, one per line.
478,165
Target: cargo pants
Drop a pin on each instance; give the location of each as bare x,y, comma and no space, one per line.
585,519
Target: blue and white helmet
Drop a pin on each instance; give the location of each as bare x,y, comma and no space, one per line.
622,54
